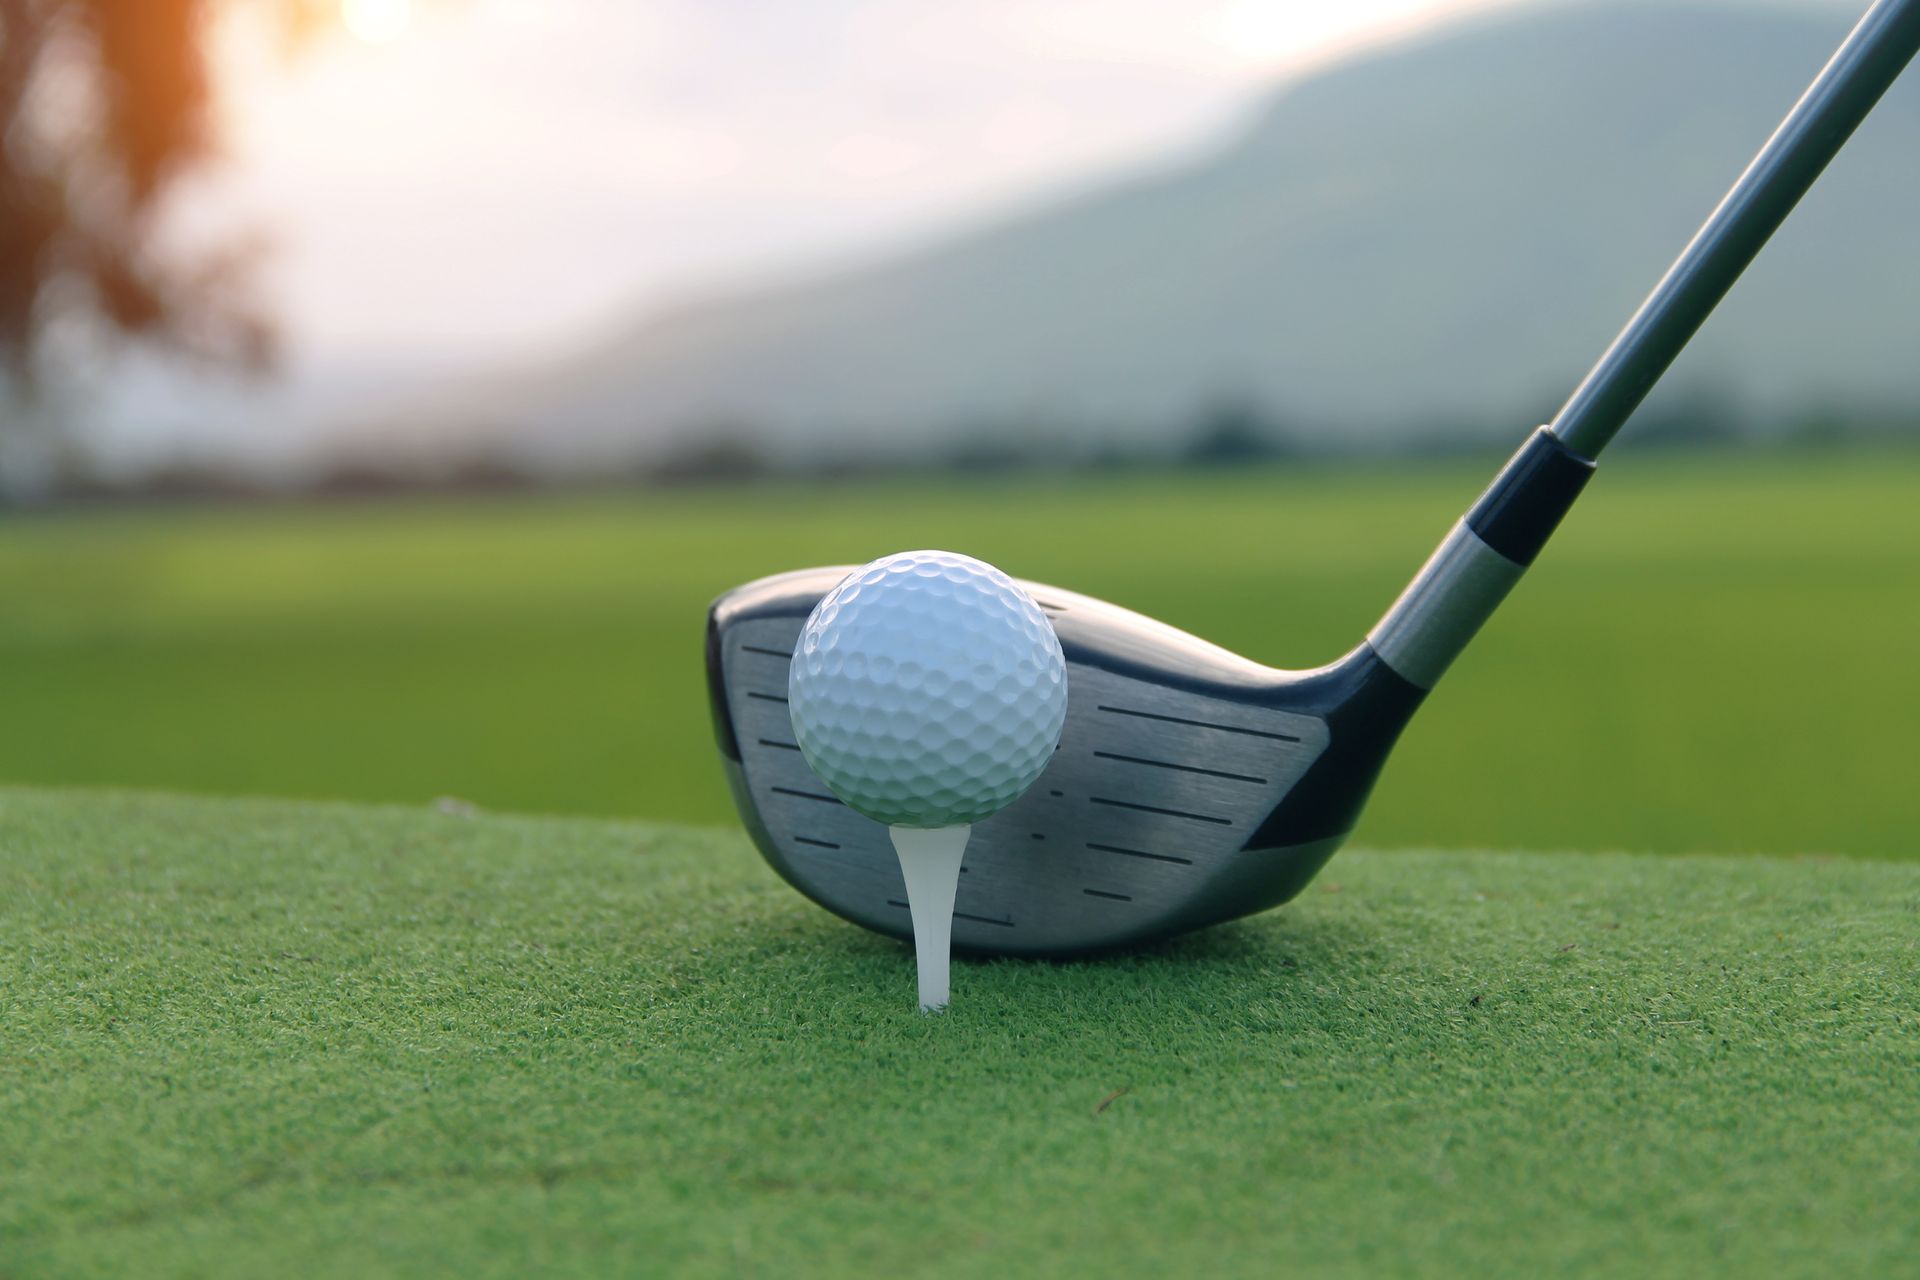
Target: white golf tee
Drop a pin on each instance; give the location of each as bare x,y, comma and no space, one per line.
930,862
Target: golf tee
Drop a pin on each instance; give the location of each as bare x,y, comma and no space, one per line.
930,863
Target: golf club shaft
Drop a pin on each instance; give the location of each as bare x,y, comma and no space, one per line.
1812,134
1484,554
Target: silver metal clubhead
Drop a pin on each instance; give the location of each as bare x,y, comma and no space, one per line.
1164,809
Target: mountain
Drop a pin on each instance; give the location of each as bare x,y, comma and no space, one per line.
1434,238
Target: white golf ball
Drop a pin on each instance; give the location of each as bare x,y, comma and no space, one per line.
928,690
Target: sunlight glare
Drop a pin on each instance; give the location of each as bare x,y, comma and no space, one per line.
1280,33
376,21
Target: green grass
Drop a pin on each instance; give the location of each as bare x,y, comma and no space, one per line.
253,1038
1716,654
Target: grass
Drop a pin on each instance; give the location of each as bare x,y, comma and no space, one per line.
255,1038
1714,656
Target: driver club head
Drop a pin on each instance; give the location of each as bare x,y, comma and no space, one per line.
1190,786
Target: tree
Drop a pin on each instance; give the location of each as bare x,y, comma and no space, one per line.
1233,432
104,105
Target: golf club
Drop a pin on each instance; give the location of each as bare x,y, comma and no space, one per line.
1193,785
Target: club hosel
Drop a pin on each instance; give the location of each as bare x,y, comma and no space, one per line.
1481,558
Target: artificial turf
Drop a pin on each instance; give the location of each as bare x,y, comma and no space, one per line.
259,1038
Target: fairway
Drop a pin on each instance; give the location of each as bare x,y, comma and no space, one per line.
249,1038
1714,655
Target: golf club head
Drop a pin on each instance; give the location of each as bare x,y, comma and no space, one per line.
1190,786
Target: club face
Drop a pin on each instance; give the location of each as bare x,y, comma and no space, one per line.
1190,786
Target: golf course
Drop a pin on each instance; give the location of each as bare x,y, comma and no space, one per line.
321,1018
898,641
1714,656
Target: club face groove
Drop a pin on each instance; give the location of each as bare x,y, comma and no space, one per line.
1155,815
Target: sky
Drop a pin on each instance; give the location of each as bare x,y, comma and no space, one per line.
445,187
490,177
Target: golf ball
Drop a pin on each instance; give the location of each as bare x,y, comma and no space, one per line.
927,689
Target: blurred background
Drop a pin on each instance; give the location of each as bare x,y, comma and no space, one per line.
386,386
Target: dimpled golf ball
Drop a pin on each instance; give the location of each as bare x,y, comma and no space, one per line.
927,690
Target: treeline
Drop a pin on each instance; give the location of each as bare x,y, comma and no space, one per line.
1227,435
1235,434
